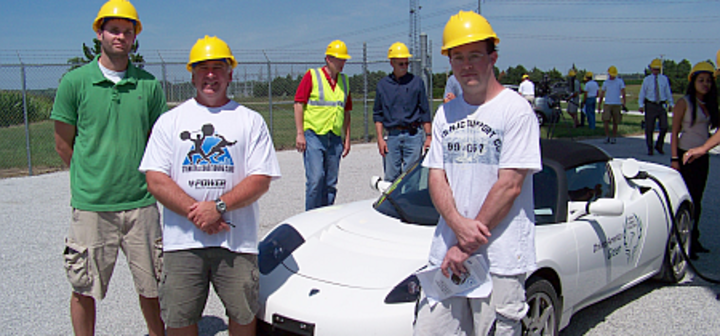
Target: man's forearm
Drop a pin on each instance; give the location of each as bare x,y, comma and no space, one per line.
442,196
168,193
501,197
299,117
245,193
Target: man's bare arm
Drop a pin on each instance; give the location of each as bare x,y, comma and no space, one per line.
64,141
502,196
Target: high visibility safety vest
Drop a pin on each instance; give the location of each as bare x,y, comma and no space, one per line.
325,109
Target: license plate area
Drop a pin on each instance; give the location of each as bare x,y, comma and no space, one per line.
291,325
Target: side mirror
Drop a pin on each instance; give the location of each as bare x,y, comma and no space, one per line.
377,183
607,207
630,168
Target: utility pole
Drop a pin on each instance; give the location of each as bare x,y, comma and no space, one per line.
661,62
479,11
414,34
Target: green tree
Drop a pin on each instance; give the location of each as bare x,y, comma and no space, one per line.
90,53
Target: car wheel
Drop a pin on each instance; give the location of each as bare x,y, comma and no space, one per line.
544,314
540,117
674,264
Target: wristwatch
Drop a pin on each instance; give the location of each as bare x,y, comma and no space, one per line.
220,206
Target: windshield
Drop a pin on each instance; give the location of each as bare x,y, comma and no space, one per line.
408,198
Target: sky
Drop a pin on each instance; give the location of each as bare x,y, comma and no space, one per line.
545,34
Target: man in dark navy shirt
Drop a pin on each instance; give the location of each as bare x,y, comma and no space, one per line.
402,109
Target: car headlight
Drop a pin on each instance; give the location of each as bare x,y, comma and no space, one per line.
277,246
407,291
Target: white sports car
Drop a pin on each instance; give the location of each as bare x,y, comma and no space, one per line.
603,226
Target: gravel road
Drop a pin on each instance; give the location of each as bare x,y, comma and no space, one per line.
36,213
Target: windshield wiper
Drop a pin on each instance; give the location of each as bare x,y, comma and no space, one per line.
403,215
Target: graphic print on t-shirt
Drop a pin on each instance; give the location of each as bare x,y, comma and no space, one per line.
208,152
471,141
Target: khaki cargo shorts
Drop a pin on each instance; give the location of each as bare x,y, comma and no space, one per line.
611,111
92,245
186,279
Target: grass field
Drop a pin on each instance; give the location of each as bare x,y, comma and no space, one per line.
13,156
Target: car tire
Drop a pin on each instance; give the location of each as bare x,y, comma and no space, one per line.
540,117
674,264
543,316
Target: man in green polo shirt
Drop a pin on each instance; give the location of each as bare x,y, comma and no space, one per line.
103,114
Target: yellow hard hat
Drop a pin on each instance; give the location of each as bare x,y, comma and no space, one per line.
717,61
525,76
210,48
589,75
117,9
337,49
466,27
572,73
612,71
398,50
656,64
701,67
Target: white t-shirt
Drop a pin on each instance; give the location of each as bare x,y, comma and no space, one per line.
527,88
208,151
591,87
612,89
471,143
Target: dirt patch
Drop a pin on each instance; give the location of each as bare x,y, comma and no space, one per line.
18,172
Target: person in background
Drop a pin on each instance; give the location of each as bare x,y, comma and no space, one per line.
573,101
485,150
654,95
211,212
402,110
697,112
613,90
527,89
452,89
103,114
590,98
322,118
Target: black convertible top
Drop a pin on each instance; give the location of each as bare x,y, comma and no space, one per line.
571,154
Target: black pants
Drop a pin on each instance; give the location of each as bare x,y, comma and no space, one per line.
655,111
695,176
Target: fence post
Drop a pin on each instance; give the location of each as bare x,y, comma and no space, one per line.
270,103
25,115
423,66
365,91
164,77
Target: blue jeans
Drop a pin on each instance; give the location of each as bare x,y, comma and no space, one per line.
322,165
403,150
590,111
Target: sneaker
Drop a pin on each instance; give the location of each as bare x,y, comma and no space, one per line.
612,141
607,140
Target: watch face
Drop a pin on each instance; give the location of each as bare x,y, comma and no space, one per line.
221,206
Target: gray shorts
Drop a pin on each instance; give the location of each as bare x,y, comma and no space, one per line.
186,279
503,309
93,242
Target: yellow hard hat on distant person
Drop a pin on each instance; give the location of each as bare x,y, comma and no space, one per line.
337,49
612,71
525,76
117,9
701,67
466,27
398,50
572,73
656,64
589,75
717,62
210,48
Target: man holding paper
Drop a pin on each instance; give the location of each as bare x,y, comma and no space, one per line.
485,148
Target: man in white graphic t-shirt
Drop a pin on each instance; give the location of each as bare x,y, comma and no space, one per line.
485,149
208,161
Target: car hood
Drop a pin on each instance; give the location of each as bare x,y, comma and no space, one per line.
363,249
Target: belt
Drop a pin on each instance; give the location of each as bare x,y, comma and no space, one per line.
412,126
662,102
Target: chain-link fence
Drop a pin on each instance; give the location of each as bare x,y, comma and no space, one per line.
27,92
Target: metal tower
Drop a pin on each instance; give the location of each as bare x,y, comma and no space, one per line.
414,36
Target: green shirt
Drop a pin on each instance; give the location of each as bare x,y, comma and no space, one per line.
112,123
